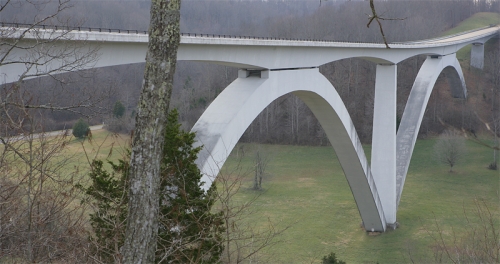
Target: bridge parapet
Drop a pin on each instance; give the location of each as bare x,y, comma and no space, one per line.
22,27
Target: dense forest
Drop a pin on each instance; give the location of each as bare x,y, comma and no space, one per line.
287,120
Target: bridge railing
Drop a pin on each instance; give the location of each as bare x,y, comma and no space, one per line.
133,31
68,28
443,37
198,35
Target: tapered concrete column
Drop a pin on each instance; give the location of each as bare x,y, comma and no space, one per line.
383,160
477,55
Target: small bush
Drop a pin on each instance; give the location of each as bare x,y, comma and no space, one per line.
80,128
331,259
118,109
493,166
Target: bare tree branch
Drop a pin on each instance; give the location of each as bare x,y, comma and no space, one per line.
376,17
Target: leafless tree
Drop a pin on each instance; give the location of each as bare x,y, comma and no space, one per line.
243,241
33,50
495,130
494,124
40,216
479,242
260,164
450,148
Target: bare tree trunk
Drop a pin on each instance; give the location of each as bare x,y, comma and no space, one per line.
349,78
147,145
267,122
30,199
297,106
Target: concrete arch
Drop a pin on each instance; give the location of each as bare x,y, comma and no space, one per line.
415,108
229,115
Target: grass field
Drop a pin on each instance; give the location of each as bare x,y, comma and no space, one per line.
307,190
478,20
103,145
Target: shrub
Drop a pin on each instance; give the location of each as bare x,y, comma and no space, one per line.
118,109
450,148
108,197
331,259
80,128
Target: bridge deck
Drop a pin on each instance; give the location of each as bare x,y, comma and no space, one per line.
134,36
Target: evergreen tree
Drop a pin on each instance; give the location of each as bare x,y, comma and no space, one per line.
331,259
118,109
108,194
188,231
187,224
80,128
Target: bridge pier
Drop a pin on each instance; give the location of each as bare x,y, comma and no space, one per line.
383,158
477,55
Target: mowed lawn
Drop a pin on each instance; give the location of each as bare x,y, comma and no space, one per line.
103,145
77,154
307,190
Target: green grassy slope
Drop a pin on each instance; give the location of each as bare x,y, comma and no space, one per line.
478,20
76,154
104,145
307,190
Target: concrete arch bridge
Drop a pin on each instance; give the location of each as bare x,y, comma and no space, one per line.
270,68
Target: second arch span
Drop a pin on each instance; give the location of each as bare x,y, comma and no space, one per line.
226,119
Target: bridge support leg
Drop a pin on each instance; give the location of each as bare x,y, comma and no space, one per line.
477,55
415,109
383,160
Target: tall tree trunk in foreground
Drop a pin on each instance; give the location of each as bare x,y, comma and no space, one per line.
147,145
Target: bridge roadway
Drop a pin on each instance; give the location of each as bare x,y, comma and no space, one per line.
270,68
247,52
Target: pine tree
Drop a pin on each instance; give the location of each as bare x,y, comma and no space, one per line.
108,195
189,232
118,109
80,128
